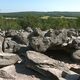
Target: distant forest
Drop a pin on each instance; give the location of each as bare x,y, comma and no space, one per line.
43,20
19,14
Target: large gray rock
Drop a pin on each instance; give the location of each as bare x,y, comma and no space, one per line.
2,33
10,45
76,43
37,32
11,33
37,40
58,37
8,59
72,32
29,29
45,65
50,33
40,44
49,40
22,38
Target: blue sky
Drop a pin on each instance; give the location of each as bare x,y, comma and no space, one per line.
39,5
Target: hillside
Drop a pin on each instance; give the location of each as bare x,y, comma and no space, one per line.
19,14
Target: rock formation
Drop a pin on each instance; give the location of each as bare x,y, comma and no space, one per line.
30,54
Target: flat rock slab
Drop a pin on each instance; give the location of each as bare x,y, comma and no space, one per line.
20,72
8,59
45,65
44,60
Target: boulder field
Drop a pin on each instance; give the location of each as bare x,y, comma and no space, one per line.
34,54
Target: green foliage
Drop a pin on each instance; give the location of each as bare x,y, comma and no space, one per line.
78,22
37,21
31,21
6,24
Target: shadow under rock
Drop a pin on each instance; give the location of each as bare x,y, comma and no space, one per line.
20,68
60,55
22,53
75,70
73,77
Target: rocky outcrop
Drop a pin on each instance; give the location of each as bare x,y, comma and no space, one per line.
30,54
54,38
65,39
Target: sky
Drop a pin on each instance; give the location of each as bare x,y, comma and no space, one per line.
39,5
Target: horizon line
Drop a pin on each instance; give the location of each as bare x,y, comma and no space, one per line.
37,11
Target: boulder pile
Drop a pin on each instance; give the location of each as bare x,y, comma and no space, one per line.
33,54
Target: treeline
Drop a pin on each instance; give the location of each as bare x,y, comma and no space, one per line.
37,21
55,13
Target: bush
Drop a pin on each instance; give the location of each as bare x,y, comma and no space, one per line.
9,23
